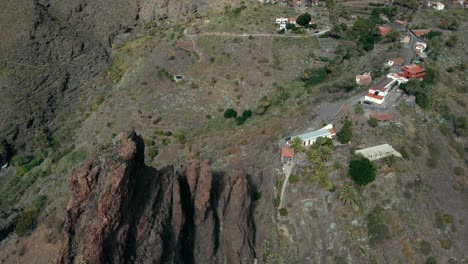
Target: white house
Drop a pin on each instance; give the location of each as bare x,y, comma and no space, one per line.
379,91
379,152
309,138
282,20
399,78
282,26
419,47
436,5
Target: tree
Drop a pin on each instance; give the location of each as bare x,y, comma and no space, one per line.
362,170
345,134
304,19
348,195
461,126
247,113
230,113
297,144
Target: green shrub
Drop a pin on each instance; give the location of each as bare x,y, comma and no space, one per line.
257,196
404,152
424,247
230,113
346,133
153,151
283,212
378,231
180,138
149,142
459,171
294,178
373,122
71,160
247,113
431,260
29,215
362,170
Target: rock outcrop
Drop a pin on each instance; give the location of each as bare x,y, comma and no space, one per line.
122,211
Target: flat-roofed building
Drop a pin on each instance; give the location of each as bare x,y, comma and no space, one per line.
379,152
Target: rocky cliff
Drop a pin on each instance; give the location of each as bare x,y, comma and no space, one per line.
122,211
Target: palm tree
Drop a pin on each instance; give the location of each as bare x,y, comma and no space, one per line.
348,195
297,145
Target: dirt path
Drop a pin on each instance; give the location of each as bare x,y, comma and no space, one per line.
287,169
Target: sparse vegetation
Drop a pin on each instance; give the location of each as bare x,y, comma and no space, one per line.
29,215
378,231
346,133
373,122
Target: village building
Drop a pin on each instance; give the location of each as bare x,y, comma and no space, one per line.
364,79
419,47
379,152
287,155
436,5
420,32
405,39
414,71
398,77
178,78
309,138
397,62
379,91
282,20
384,30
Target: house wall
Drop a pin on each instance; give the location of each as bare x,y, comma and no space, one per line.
374,100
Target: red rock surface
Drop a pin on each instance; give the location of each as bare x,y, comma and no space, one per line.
122,211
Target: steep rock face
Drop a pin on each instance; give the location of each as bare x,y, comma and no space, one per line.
122,211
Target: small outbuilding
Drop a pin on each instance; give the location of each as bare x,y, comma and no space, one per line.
379,152
178,77
287,155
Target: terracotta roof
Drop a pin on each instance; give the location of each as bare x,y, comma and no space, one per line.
421,32
381,117
384,31
332,131
363,79
399,61
379,97
287,153
413,69
293,19
401,22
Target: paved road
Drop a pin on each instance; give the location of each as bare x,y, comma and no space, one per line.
329,110
408,50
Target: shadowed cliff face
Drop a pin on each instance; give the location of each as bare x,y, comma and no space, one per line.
122,211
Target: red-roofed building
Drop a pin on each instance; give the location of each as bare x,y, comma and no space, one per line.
292,20
414,71
384,30
287,155
363,79
380,90
420,32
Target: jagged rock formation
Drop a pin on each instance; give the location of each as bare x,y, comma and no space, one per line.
122,211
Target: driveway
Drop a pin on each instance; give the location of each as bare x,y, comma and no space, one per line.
329,110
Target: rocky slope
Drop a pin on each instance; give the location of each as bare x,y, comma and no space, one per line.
122,211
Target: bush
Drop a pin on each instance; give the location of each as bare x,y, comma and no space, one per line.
240,120
293,178
281,31
378,231
431,260
362,170
230,113
424,247
405,153
345,134
373,122
283,212
153,152
459,171
247,113
28,217
257,196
